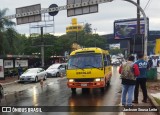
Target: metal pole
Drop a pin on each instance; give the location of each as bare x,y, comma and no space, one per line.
146,25
42,48
138,18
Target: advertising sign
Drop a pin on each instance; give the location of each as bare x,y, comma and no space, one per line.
23,63
114,46
157,47
1,69
127,28
8,63
84,9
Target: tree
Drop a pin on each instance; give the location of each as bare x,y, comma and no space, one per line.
4,23
115,51
87,28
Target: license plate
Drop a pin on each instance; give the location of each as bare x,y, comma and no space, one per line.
83,85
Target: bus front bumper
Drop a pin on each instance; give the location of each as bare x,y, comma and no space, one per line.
86,84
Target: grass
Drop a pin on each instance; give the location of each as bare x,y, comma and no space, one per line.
157,100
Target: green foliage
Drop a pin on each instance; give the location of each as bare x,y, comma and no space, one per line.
115,51
87,28
5,23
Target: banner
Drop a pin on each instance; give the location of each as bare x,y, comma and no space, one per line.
23,63
8,63
1,69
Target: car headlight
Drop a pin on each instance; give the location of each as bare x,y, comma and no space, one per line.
71,80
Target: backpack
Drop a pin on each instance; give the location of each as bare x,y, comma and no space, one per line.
127,71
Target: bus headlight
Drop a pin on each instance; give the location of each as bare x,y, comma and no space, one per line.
71,80
97,79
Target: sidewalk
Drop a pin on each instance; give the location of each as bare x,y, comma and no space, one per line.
153,89
9,80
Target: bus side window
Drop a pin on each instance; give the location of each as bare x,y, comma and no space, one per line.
109,59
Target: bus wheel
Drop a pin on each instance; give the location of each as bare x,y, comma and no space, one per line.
73,90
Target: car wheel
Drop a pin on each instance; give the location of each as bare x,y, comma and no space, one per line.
58,74
36,79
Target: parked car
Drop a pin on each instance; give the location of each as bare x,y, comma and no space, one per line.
56,70
33,74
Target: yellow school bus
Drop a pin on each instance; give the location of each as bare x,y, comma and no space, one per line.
89,68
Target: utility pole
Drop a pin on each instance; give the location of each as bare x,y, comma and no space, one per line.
138,18
42,47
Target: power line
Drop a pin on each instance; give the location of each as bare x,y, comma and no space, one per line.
147,5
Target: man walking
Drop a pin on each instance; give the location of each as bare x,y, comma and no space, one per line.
141,79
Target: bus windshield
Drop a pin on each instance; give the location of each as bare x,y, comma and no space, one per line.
88,60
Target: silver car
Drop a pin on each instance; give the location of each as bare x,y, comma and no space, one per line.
33,74
56,70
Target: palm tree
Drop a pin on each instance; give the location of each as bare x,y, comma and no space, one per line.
4,23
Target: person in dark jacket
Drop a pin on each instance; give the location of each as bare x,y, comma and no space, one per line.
20,70
141,79
128,72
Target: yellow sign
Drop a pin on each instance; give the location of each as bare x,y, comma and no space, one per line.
157,47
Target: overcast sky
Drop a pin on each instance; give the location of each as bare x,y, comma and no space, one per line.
101,21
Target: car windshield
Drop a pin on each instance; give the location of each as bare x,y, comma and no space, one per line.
81,61
33,70
54,66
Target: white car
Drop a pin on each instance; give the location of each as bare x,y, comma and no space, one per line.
33,74
56,70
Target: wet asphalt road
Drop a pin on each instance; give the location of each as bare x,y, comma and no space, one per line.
58,94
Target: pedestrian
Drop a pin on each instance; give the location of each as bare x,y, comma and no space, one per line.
155,62
19,70
128,72
141,79
150,63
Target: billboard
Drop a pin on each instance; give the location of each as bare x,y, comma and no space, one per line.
23,63
114,46
84,9
8,63
127,28
28,14
157,47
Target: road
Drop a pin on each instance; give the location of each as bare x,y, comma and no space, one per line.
55,93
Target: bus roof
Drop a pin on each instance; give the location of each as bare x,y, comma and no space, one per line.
90,50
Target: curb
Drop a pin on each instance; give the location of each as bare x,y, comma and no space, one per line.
154,103
6,84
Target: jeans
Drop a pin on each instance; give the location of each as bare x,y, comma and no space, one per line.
127,91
